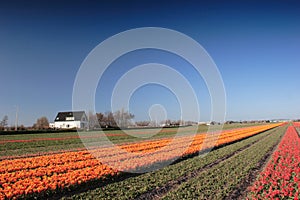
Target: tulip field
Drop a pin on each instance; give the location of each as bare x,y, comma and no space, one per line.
281,177
255,162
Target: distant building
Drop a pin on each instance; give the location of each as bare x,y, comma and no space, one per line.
69,120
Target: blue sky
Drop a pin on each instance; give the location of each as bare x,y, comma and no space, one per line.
255,45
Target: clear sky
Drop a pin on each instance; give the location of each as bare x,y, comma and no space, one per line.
255,44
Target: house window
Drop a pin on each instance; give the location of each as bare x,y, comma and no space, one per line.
69,118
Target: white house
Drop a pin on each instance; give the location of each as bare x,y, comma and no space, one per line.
68,120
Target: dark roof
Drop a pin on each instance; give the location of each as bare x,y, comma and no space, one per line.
72,115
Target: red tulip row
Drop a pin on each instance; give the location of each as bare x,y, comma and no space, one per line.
296,124
33,175
281,178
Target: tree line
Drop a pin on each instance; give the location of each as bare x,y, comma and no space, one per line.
118,119
124,119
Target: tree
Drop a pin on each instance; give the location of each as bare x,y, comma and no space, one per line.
106,120
120,119
22,127
92,118
143,123
123,118
175,123
41,123
168,122
4,121
110,120
101,119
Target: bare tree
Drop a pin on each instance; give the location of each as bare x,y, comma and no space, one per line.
168,122
123,118
106,120
92,118
41,123
4,121
110,120
143,123
175,123
120,119
101,119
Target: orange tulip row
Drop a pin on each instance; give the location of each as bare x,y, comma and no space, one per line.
148,146
51,172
